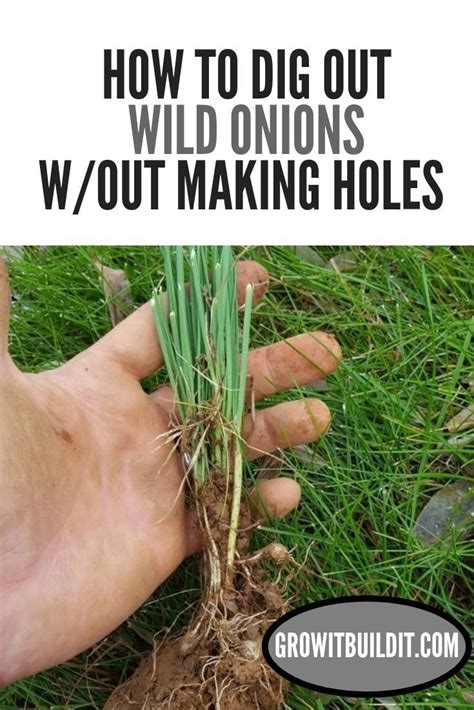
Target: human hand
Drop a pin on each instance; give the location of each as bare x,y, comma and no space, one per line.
92,513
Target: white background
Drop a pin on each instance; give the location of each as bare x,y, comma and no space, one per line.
52,106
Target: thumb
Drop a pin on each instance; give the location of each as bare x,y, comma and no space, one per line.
5,300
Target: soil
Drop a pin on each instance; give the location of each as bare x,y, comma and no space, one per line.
217,664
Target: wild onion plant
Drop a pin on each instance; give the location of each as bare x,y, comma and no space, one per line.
217,662
206,354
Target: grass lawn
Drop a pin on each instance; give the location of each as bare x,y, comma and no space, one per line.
404,318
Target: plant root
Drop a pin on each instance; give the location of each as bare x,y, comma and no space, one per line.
218,663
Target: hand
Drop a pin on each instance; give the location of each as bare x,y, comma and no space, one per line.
92,514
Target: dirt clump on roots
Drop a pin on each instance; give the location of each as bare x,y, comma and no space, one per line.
218,663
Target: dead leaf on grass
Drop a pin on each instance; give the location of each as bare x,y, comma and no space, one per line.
116,287
463,420
12,253
309,255
345,261
450,507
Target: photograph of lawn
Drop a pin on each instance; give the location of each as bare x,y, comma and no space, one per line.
387,494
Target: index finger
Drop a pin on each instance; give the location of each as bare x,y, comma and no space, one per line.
134,344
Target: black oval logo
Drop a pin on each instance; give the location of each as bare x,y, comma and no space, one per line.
366,646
